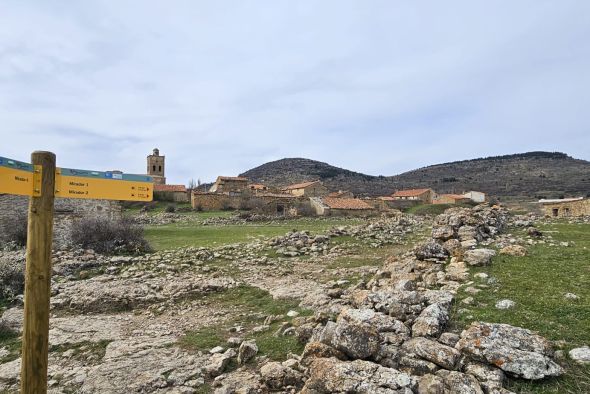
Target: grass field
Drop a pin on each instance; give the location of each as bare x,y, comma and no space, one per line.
538,283
253,305
193,234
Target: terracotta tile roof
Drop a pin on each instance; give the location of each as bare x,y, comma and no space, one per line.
232,178
346,203
410,192
300,185
169,188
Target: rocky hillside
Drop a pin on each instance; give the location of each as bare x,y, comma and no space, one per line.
529,175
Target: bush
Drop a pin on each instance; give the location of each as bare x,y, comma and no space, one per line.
14,230
226,205
170,208
12,277
199,208
109,236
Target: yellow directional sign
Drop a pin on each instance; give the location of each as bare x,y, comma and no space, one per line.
19,178
102,185
24,179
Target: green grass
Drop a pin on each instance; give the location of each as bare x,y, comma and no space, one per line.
537,283
81,349
193,234
254,305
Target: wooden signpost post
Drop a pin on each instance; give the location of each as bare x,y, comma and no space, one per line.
42,181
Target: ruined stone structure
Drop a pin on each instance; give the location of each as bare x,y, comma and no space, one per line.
66,211
566,207
267,203
155,167
233,185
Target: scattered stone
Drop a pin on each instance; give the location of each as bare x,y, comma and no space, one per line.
247,351
580,355
505,304
571,296
479,257
514,250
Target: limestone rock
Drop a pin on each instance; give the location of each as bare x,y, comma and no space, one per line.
431,321
329,375
218,362
505,304
580,355
514,250
247,351
431,250
277,376
513,349
459,383
443,232
314,350
442,355
431,384
479,257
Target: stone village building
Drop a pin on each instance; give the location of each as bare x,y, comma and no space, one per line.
307,189
422,195
566,207
156,168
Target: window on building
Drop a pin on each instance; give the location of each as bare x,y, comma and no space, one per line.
555,212
566,212
160,168
154,168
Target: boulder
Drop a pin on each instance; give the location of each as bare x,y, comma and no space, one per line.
218,362
354,335
276,376
314,350
442,355
492,376
443,232
459,383
247,351
431,321
431,250
513,349
514,250
431,384
328,375
479,257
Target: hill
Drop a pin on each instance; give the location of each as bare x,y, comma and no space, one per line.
524,175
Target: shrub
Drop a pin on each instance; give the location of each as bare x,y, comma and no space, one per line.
199,208
226,205
109,236
15,230
170,208
12,277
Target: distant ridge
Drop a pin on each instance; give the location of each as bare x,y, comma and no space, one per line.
524,175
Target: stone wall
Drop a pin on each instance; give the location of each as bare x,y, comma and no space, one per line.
66,211
214,201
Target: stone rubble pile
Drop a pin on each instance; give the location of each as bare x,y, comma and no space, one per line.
391,333
381,232
298,243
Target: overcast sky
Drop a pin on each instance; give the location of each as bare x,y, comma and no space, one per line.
219,87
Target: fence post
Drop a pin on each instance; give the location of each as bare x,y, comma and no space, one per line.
38,280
